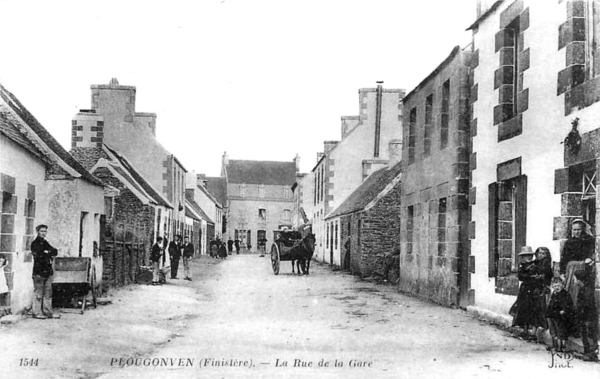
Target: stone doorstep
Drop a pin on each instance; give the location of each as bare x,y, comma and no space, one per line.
505,321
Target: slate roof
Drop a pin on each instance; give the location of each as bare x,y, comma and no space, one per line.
19,109
136,179
189,197
217,186
190,214
261,172
367,191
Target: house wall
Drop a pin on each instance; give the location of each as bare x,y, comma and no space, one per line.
435,162
19,171
549,99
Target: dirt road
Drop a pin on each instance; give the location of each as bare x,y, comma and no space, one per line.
238,320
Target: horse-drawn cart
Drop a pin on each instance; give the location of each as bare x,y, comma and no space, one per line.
292,246
76,278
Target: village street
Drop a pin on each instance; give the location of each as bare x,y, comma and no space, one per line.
237,319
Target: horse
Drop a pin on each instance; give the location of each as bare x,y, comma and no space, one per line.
302,253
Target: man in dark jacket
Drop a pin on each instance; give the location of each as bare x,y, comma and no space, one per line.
175,255
155,255
188,253
43,254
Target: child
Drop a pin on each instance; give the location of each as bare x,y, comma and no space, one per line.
587,311
3,285
529,307
560,312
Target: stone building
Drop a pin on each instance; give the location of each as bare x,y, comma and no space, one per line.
135,213
113,120
259,197
534,75
366,225
201,239
41,183
214,200
303,199
344,164
435,159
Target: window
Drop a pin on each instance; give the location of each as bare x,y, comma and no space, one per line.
412,125
445,114
108,206
442,227
262,214
327,237
591,40
428,125
336,234
242,190
410,219
508,221
287,215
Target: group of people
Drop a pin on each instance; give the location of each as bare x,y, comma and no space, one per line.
562,303
176,250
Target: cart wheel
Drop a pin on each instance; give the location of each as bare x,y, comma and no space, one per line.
275,258
94,289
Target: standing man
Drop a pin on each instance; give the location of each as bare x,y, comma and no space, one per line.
155,259
43,254
188,252
175,254
237,246
230,246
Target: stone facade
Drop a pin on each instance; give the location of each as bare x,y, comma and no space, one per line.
435,159
526,185
113,120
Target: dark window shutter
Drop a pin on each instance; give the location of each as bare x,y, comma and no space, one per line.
520,212
493,230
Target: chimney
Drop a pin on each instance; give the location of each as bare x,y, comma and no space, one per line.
297,163
225,160
394,152
328,146
201,180
378,119
114,101
483,6
87,129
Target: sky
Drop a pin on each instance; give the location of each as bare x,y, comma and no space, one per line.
259,79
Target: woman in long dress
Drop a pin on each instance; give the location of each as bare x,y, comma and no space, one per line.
577,249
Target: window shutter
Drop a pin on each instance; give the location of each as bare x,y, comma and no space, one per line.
520,212
493,229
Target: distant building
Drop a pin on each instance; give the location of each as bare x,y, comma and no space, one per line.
41,184
344,164
194,198
435,185
259,197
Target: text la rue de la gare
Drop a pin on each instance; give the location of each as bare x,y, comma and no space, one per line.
242,363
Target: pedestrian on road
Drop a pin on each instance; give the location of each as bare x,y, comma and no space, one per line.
188,253
42,274
230,246
560,314
587,312
237,246
155,255
223,251
528,310
579,247
175,255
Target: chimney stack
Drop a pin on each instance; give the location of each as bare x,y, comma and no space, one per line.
394,152
297,163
